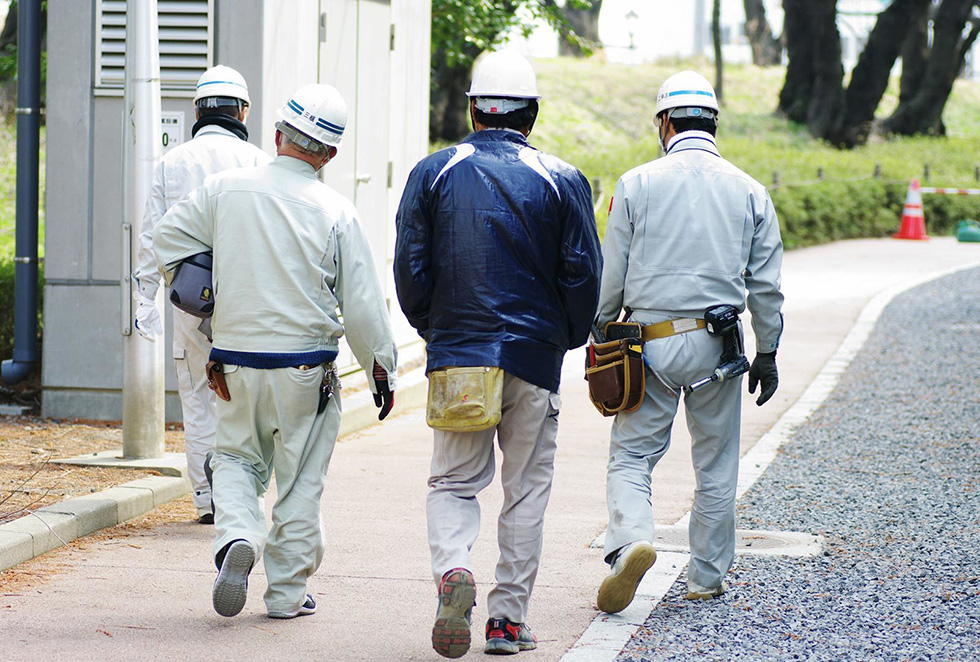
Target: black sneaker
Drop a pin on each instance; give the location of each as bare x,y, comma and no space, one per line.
308,608
457,595
231,586
506,637
206,518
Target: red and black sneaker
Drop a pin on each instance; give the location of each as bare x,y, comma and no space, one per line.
457,595
506,638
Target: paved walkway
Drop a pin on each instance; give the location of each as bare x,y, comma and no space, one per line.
150,598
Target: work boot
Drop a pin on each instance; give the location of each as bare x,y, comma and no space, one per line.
506,637
696,592
308,608
457,595
231,586
619,587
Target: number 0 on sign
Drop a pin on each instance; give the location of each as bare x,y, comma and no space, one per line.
172,134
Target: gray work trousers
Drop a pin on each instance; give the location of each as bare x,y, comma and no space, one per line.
463,464
271,425
639,439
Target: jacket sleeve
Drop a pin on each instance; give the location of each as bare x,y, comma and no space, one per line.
185,230
581,261
615,257
147,276
413,268
362,303
763,275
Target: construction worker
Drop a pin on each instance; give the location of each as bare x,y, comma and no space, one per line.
219,142
686,232
288,252
496,265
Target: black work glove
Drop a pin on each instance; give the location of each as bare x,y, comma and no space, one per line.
763,369
385,397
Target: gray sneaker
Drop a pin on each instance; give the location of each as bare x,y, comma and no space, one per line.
696,592
506,637
308,608
231,586
619,587
457,595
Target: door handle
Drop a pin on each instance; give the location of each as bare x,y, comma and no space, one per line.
363,178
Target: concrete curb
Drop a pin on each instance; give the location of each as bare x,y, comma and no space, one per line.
54,526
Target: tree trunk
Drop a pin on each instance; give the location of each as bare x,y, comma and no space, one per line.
767,51
8,36
795,95
449,111
719,60
585,24
826,107
923,113
915,55
870,76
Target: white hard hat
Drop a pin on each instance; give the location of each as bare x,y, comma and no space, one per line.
686,89
318,112
221,81
503,82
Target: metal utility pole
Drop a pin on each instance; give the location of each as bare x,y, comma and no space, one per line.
700,27
28,135
143,389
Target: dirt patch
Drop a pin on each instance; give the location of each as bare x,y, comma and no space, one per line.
28,478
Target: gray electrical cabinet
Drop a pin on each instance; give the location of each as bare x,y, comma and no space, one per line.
376,52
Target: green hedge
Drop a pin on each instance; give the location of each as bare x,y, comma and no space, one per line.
828,211
7,306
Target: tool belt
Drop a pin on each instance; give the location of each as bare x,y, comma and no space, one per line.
614,370
465,399
216,380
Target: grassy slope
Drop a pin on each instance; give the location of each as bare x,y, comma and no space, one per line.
598,116
8,186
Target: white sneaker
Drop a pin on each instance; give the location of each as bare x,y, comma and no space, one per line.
308,608
619,587
696,592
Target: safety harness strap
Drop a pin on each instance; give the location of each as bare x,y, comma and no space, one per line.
671,328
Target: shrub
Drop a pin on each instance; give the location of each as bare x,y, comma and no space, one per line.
7,306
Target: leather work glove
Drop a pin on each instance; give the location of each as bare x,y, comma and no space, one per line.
385,397
763,369
148,321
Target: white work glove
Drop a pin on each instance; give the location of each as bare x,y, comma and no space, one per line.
148,322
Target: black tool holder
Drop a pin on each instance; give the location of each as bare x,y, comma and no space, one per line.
723,321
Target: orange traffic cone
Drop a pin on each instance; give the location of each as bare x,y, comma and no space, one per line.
913,220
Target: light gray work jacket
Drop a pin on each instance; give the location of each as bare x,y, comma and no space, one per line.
689,231
289,256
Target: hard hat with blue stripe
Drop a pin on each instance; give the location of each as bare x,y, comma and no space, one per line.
221,81
687,89
318,112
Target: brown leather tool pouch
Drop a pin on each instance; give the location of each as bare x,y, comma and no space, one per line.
216,380
616,376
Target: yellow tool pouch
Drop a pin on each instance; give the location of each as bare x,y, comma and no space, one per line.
615,371
465,399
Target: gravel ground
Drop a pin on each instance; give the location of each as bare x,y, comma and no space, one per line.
888,470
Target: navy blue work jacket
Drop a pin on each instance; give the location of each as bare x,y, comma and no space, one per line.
497,259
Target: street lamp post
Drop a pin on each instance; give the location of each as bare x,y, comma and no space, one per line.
631,19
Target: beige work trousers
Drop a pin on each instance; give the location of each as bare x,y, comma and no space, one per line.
271,425
463,464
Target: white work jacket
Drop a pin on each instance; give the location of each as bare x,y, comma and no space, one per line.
689,231
288,252
181,170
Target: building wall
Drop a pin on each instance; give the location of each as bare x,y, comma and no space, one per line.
278,46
